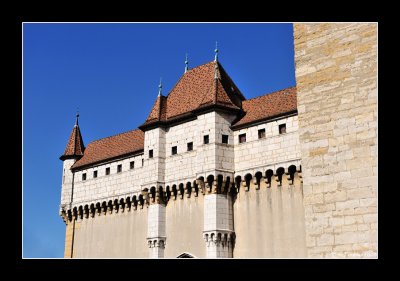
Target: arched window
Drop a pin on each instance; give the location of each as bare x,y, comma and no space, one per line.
185,256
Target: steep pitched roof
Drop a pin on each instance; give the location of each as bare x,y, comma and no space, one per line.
197,88
268,106
75,146
158,111
111,147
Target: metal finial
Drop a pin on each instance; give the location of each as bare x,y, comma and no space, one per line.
216,61
186,63
160,88
216,51
77,117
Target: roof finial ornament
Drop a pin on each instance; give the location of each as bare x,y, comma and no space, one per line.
216,61
216,51
77,116
186,63
160,88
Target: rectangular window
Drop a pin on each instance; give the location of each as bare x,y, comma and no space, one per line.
84,176
174,150
190,146
206,139
142,162
132,165
282,128
224,138
242,138
119,168
261,134
107,171
94,174
151,153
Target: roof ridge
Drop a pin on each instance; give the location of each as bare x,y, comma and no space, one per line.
137,129
229,78
197,67
269,93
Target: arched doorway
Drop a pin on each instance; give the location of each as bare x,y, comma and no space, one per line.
185,256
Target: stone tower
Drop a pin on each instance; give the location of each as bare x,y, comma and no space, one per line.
73,152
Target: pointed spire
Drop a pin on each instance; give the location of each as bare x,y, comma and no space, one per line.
75,146
160,88
186,63
216,51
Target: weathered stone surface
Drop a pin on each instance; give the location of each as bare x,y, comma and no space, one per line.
336,69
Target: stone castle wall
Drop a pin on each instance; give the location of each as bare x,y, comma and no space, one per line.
104,187
271,152
336,75
184,227
269,220
109,202
212,158
114,235
249,199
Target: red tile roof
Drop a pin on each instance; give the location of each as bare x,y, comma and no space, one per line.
158,111
111,147
269,105
197,88
75,146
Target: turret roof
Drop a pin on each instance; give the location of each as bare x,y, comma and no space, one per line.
75,147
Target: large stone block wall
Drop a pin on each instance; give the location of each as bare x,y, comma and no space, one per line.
218,212
274,149
69,232
155,166
156,221
107,187
67,179
205,158
269,220
116,235
225,156
184,227
336,74
183,164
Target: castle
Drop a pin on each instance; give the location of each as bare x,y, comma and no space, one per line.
210,174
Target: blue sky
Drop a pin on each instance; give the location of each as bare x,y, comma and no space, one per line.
111,72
